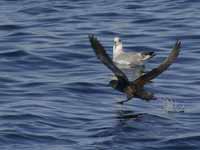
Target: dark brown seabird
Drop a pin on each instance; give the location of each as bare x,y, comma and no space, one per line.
132,88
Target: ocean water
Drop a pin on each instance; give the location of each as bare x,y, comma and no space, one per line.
54,93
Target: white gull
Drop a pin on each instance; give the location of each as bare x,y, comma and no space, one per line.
128,58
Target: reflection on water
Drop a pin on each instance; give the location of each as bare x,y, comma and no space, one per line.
125,115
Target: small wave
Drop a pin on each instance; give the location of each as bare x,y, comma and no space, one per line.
16,53
25,137
149,20
73,56
8,80
86,88
10,27
80,84
107,14
133,6
159,117
186,37
183,137
33,84
38,10
106,32
20,34
20,117
69,6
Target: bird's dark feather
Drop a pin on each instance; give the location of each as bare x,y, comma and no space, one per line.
142,80
105,59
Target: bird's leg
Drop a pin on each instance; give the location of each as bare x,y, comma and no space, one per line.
122,102
130,92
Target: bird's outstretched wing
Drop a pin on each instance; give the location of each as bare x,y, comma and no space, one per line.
105,59
141,81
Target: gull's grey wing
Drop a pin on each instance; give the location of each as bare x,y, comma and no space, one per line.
162,67
105,59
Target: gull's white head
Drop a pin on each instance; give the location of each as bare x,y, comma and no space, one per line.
117,40
117,47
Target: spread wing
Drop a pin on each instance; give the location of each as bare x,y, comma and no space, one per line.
161,68
105,59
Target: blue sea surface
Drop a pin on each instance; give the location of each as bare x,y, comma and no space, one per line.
54,92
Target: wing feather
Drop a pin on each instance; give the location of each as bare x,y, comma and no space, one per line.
105,59
161,68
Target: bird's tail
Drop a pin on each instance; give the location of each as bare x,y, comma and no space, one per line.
147,55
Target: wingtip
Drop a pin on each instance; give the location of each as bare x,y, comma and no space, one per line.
91,39
91,36
178,43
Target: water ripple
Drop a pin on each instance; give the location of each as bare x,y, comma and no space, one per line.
54,93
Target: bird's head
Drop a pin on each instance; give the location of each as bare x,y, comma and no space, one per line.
114,84
117,47
117,41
